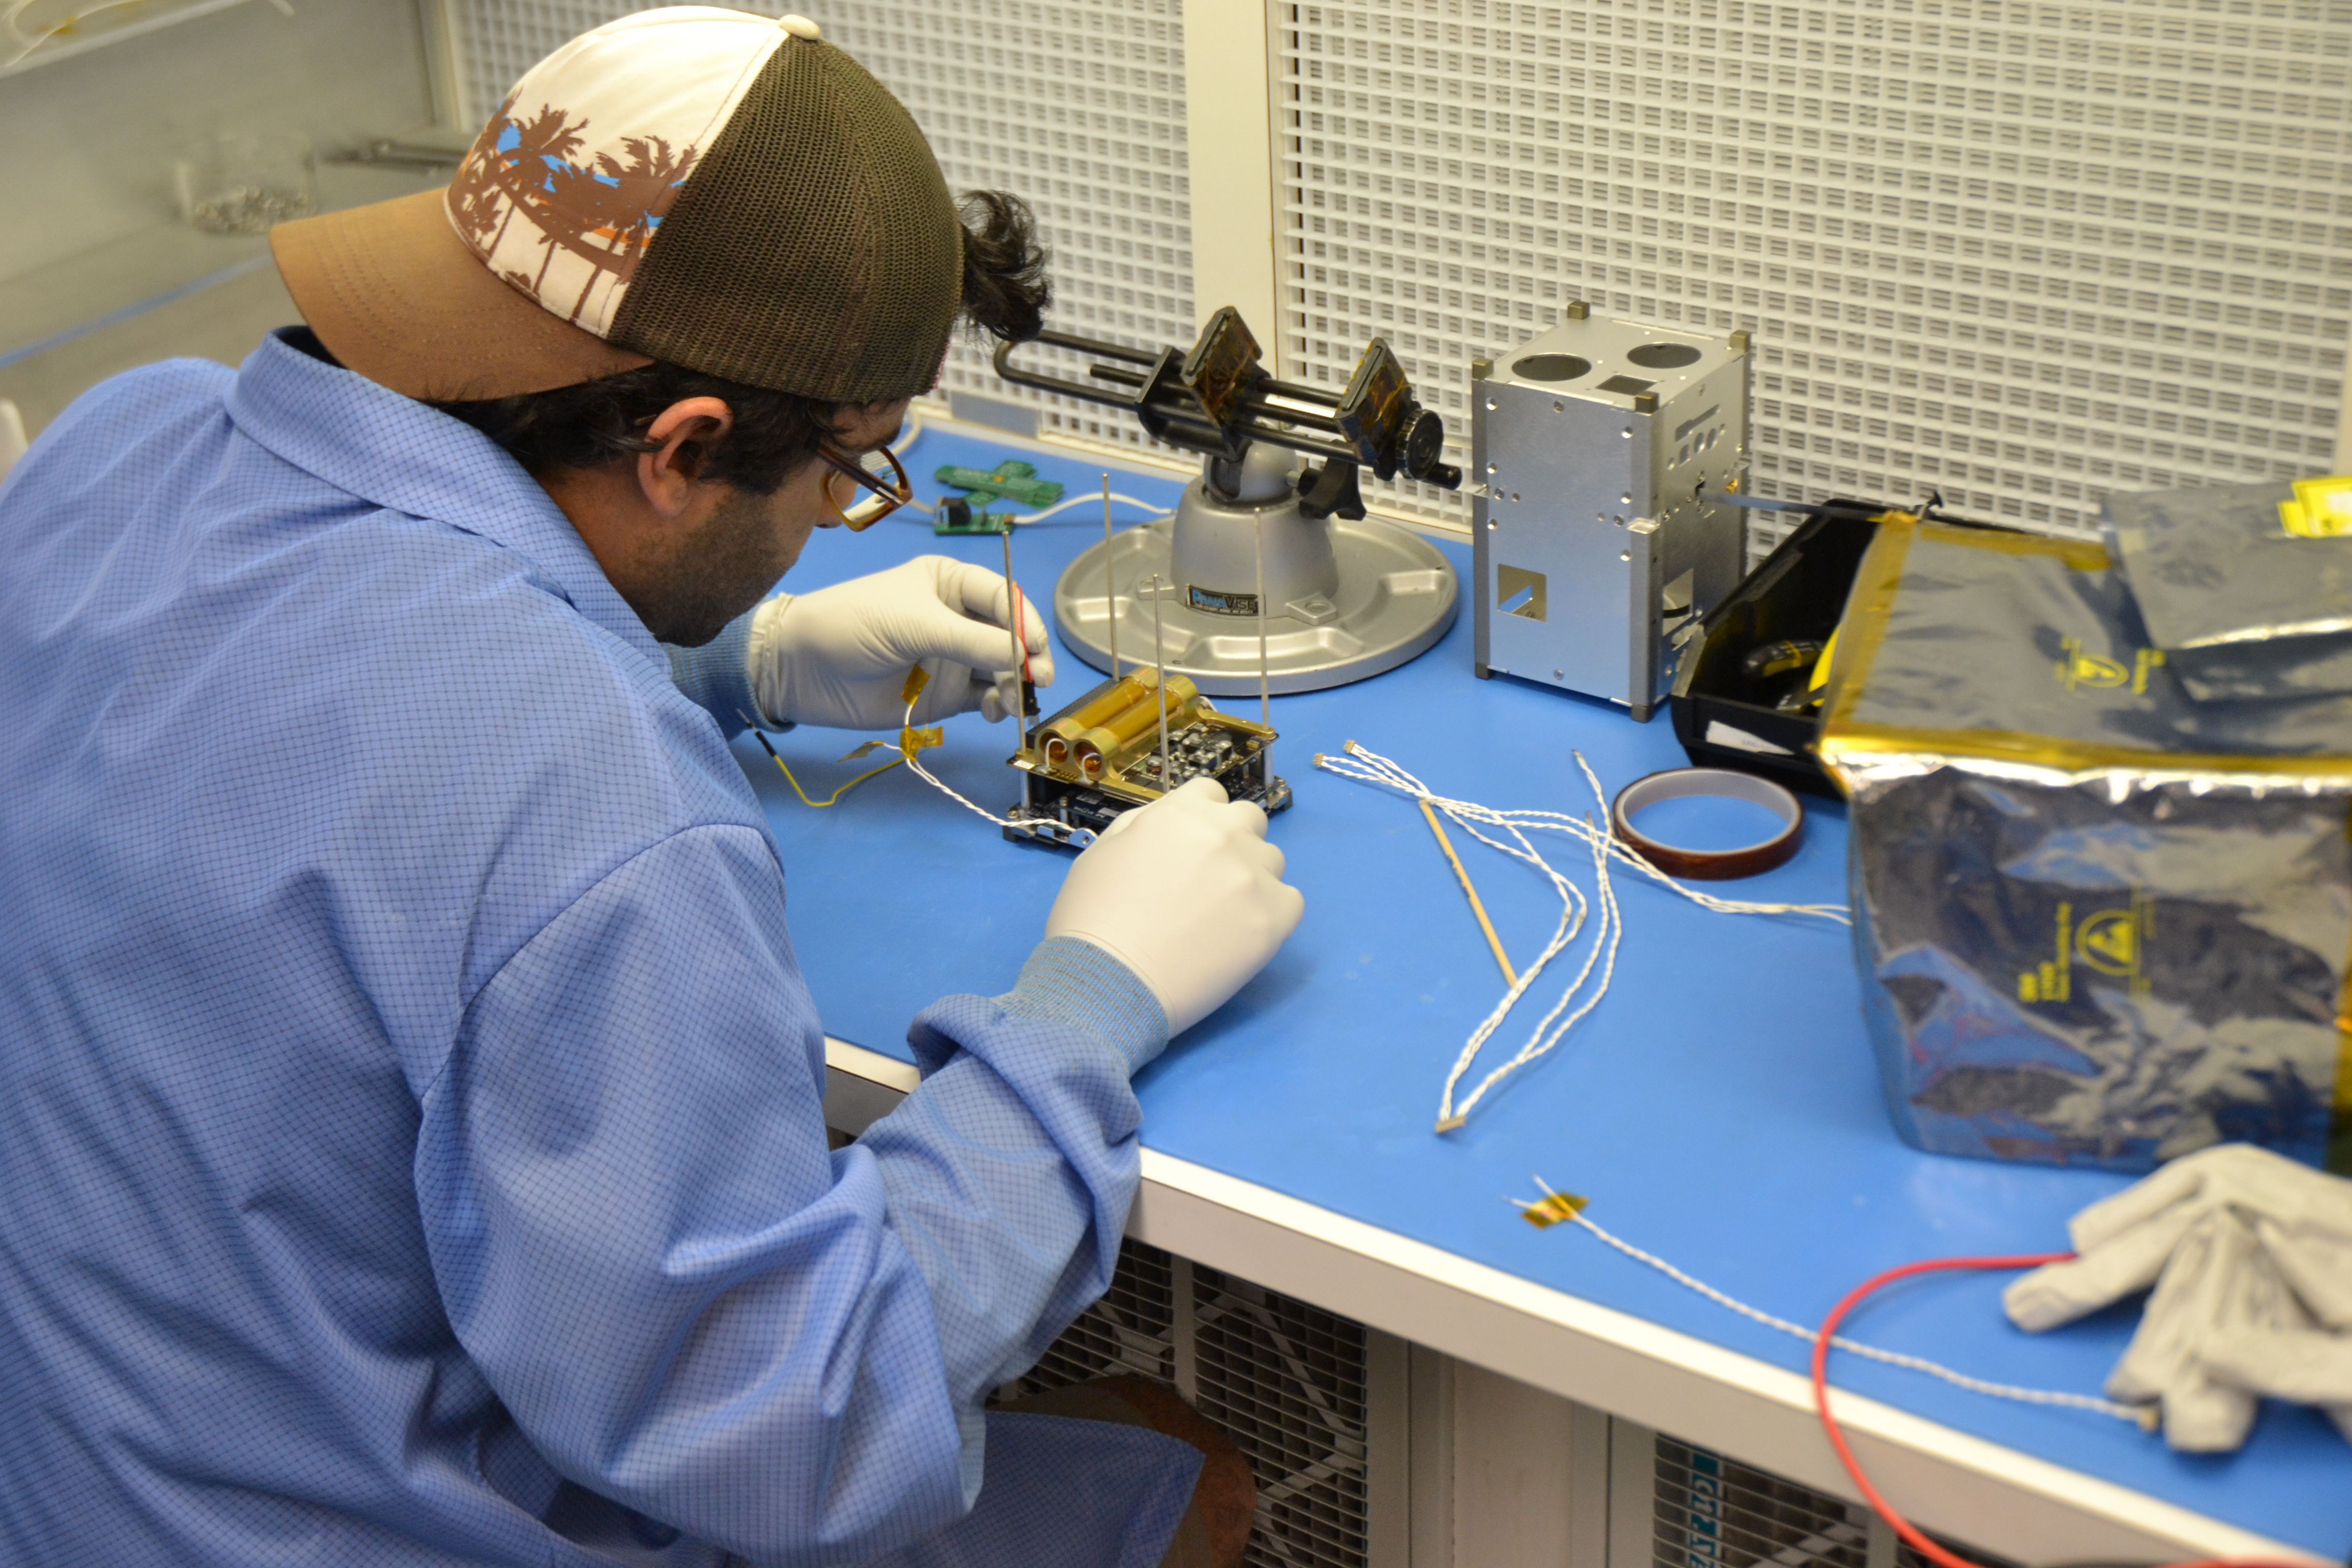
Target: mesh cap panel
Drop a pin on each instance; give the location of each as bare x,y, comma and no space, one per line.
815,250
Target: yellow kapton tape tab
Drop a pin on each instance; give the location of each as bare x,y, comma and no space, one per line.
916,678
1551,1208
2322,508
911,740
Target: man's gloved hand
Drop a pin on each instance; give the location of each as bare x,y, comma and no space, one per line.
2250,1257
839,656
1186,892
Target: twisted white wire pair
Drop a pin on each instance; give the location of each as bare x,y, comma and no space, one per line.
1891,1358
914,760
1367,766
1574,909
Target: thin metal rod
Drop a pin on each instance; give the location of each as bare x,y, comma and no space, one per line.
1182,424
1159,663
1265,688
1020,641
1110,581
1063,384
1098,346
1205,437
1312,418
1012,609
1319,395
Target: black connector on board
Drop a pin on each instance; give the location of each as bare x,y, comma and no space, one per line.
953,515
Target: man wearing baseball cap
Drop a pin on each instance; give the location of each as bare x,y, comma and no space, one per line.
411,1140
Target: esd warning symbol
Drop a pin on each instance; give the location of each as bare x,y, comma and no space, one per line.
2109,941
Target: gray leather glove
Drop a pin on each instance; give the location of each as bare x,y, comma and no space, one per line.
2250,1257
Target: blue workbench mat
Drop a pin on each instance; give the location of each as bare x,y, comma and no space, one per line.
1720,1108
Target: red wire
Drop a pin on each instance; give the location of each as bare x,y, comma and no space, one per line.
1020,631
1910,1533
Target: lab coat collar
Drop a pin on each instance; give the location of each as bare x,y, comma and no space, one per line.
401,455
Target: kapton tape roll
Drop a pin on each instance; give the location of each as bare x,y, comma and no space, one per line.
1709,865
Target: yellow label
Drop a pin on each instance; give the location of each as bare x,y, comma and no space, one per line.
2322,508
2114,942
2110,942
2077,669
2051,979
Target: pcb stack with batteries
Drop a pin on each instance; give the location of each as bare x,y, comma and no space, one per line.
1125,744
1600,450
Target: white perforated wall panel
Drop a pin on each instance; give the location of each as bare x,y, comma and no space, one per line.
1078,106
2018,252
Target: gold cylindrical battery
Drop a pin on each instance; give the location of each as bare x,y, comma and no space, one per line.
1102,747
1129,691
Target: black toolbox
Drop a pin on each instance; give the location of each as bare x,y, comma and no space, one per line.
1727,719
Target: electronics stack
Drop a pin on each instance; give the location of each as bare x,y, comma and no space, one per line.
1600,451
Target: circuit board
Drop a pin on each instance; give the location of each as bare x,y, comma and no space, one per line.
1101,755
955,516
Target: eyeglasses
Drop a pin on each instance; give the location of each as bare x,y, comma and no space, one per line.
878,472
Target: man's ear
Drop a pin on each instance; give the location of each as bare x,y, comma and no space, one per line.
683,434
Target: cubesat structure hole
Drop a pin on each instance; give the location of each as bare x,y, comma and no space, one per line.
1663,356
1551,367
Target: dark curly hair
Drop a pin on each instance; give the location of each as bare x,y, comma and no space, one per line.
1006,290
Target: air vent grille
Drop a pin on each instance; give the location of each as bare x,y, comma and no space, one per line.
1285,1380
1130,1330
1714,1512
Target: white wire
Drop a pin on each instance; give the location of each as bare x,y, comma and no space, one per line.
914,760
1367,766
1094,498
912,431
1855,1347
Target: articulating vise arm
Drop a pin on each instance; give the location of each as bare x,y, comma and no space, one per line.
1217,399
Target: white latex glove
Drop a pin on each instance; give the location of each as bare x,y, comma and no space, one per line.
2244,1247
1185,891
838,657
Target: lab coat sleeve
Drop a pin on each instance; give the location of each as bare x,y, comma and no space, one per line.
688,1303
717,677
1010,1168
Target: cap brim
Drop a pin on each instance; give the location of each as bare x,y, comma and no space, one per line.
395,295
